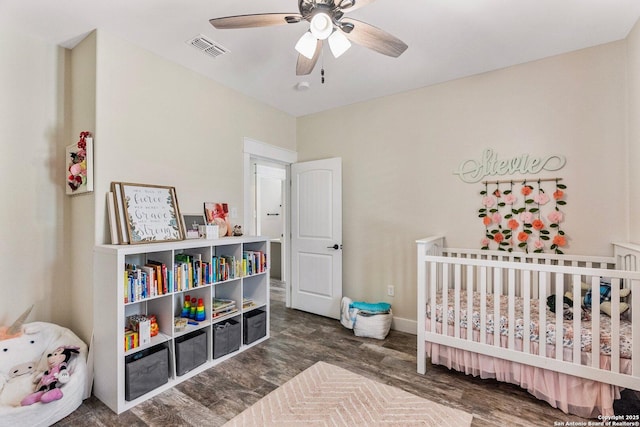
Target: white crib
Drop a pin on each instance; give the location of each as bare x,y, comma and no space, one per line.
474,290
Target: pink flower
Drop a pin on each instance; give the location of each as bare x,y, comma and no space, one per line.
75,169
484,242
510,199
555,216
526,217
538,244
496,217
488,201
541,198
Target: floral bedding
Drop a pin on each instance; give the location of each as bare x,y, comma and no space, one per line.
534,333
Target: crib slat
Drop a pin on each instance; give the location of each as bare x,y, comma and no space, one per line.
595,322
497,287
615,325
512,307
456,311
577,318
542,313
559,316
470,288
526,321
483,305
635,331
445,298
435,283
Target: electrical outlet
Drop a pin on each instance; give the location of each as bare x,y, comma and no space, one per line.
391,290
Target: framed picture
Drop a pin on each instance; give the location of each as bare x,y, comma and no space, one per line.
192,222
218,214
151,213
121,222
79,166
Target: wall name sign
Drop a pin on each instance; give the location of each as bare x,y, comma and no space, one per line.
471,171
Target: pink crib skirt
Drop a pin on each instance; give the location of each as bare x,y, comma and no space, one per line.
573,395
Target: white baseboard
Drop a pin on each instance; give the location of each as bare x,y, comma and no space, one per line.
404,325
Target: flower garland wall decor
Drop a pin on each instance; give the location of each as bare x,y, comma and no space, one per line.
522,217
79,165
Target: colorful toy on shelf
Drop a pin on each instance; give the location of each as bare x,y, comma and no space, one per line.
192,312
186,308
200,315
154,325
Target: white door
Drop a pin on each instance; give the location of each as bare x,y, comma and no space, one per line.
316,236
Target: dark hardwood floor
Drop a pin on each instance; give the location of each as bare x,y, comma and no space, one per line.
298,340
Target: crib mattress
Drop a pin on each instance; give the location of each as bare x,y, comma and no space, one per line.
534,332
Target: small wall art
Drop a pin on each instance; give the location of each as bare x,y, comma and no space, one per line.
151,213
218,214
79,165
522,215
192,223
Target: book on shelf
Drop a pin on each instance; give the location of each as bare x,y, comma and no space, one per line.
247,303
223,307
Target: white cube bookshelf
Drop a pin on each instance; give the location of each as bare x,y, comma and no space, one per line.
110,309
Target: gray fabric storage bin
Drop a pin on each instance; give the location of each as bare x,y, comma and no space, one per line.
226,338
255,326
145,371
191,351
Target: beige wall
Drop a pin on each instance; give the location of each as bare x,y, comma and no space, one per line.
159,123
399,153
633,79
32,84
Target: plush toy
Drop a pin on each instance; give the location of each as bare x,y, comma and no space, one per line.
567,307
605,297
50,380
19,384
18,343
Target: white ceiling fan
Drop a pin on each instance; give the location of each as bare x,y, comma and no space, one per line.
326,22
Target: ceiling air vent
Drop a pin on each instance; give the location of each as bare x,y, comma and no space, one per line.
207,46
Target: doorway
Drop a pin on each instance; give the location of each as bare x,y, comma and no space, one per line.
270,212
272,160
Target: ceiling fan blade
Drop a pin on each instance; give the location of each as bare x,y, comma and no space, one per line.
374,38
305,65
351,5
258,20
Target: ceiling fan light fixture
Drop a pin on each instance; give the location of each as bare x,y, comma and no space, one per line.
306,46
321,25
338,43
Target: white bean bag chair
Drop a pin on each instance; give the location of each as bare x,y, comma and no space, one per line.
22,359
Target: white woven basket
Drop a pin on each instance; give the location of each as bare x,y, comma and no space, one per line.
372,325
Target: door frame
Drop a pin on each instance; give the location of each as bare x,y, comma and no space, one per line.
257,150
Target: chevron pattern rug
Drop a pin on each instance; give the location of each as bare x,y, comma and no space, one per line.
326,395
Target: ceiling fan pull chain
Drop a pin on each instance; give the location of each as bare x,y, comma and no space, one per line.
322,67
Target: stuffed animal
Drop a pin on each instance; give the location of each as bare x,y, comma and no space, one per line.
50,380
18,343
567,307
605,296
19,384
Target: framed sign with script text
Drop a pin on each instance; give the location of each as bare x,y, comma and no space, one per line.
151,213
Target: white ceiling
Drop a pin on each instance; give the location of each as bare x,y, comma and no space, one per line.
447,39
